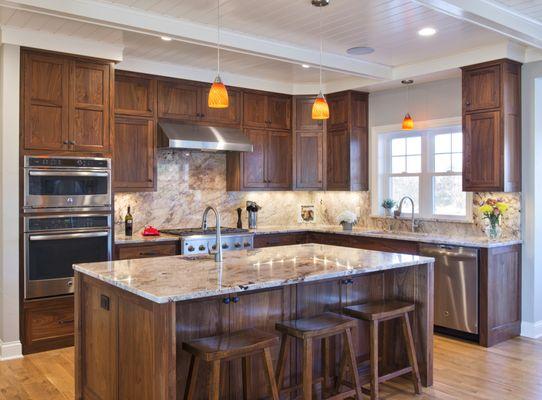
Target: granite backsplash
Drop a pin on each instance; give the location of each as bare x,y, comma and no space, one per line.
189,181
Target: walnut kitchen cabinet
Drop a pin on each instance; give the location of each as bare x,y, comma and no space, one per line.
267,110
492,126
65,103
135,94
134,155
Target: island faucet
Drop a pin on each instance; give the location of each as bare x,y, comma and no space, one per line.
397,213
218,253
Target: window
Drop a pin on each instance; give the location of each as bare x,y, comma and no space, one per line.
427,166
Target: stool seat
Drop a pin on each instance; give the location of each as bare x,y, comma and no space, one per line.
231,345
380,310
325,324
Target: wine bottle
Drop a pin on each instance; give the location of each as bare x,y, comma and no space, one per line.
128,223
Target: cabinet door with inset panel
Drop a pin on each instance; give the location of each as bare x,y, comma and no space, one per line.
338,111
178,100
45,81
135,95
482,151
481,88
279,112
309,163
134,154
223,116
303,114
279,160
89,106
338,160
254,168
254,110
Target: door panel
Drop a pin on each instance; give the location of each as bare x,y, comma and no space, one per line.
338,111
178,100
134,154
338,160
134,95
254,110
229,116
45,81
482,152
303,115
309,160
253,165
279,160
481,88
89,117
279,112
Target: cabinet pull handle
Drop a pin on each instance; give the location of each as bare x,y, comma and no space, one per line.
149,253
65,321
236,299
202,115
65,142
227,300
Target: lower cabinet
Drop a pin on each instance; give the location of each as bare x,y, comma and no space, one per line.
145,250
279,239
47,324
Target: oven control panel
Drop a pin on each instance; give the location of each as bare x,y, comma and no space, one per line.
204,244
66,222
66,162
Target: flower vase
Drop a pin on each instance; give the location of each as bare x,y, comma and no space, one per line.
493,231
347,226
387,212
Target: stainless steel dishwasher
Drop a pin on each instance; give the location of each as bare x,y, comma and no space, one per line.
456,286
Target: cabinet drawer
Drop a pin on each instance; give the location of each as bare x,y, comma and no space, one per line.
144,251
48,324
279,239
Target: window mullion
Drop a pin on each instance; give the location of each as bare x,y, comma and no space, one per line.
426,192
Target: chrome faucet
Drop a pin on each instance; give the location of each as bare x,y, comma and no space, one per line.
218,253
397,212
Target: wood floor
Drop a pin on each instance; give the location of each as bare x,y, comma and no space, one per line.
510,370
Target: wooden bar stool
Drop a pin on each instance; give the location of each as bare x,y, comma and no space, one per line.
320,327
374,313
215,349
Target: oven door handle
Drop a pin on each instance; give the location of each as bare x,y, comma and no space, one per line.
67,173
62,236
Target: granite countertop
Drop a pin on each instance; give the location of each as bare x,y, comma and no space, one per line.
178,278
474,241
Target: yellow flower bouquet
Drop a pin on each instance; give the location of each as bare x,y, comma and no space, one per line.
493,210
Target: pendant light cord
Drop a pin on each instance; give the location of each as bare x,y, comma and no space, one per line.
218,39
321,47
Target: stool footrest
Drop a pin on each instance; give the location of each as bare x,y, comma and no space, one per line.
394,374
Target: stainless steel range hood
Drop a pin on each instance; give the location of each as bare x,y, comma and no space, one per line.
207,138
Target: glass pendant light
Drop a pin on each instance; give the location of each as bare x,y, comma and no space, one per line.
218,95
408,122
320,108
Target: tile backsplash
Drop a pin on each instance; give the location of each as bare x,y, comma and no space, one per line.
189,181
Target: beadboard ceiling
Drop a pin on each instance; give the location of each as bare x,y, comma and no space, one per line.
267,27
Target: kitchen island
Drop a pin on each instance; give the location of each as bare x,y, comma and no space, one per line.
133,315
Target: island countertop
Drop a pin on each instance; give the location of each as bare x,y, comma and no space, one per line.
179,278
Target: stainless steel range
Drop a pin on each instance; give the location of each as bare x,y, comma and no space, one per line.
203,241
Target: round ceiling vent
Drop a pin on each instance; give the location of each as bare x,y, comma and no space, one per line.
360,50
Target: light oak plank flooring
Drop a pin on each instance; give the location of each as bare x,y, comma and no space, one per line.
510,370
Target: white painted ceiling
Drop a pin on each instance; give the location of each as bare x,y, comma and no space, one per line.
389,26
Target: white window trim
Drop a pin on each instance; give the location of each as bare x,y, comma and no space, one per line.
378,155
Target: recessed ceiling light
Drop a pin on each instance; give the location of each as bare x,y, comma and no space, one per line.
165,38
305,65
360,50
427,31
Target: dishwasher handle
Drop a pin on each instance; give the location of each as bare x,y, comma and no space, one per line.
448,251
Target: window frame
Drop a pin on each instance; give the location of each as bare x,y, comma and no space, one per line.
381,167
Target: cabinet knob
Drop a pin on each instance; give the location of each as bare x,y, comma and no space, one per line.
71,142
66,142
467,103
226,300
202,115
236,299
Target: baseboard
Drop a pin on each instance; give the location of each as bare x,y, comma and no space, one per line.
10,350
531,329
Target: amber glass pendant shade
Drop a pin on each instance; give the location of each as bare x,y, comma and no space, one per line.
408,123
218,95
320,108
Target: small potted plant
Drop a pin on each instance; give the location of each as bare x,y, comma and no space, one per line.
387,205
347,219
493,210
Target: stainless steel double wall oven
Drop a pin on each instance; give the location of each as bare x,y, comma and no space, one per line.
67,219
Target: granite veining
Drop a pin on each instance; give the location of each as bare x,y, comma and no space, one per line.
188,181
178,278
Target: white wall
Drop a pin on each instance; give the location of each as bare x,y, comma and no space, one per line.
10,345
427,101
532,199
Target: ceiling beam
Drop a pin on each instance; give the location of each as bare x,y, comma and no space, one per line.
126,18
491,16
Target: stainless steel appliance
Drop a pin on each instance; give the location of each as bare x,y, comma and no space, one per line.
200,241
52,244
456,286
67,184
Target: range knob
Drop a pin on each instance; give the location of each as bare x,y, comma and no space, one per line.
201,247
246,244
237,244
190,248
225,246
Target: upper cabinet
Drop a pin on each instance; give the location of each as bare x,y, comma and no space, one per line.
492,127
187,101
135,94
65,103
267,110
